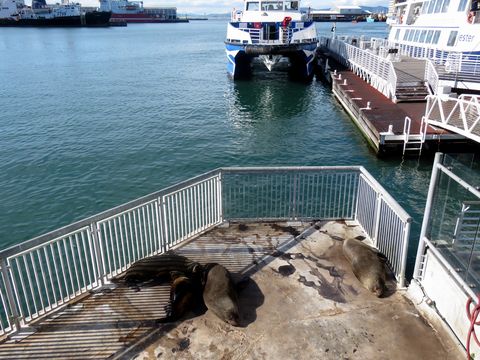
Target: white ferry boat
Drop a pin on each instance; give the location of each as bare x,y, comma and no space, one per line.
271,31
66,14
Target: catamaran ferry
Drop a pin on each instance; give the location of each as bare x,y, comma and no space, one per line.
273,32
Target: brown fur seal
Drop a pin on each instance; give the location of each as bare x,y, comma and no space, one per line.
185,293
368,265
219,294
158,268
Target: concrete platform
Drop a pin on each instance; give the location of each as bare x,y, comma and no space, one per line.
298,299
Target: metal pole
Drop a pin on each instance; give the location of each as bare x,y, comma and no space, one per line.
426,215
14,314
102,272
403,266
220,196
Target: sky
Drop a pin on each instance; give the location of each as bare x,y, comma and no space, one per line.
221,6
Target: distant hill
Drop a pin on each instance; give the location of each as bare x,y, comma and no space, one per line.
375,9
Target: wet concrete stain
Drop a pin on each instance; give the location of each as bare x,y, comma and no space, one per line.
242,227
183,345
289,229
286,270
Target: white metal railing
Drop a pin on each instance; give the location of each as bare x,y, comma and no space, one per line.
460,115
431,76
376,70
284,36
47,272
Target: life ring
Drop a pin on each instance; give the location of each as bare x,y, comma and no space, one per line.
286,21
470,17
401,19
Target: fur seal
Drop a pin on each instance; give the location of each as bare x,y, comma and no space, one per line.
368,265
219,294
158,268
185,293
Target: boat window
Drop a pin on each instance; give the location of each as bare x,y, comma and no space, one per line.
291,5
452,38
436,36
417,35
429,36
462,5
424,7
423,35
410,37
272,5
431,6
252,6
438,6
397,34
405,36
445,5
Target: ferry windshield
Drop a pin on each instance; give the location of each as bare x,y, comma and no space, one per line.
252,6
291,5
272,5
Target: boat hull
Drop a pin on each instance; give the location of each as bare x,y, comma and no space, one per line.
144,18
300,56
90,19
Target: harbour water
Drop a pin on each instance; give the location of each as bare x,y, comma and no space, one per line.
92,118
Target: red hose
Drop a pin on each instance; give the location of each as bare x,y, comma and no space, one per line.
472,317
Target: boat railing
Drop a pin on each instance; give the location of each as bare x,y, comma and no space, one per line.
376,70
460,115
257,36
431,76
450,65
51,271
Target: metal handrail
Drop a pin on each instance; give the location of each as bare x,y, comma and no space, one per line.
46,273
376,70
460,115
431,75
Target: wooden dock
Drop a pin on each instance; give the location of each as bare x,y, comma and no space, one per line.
382,121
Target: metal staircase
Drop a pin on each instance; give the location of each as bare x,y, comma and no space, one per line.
410,80
467,229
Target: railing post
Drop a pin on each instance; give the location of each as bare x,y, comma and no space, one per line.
220,197
426,216
294,198
163,218
159,228
13,314
403,266
377,219
102,272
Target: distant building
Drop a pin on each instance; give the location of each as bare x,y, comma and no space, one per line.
340,13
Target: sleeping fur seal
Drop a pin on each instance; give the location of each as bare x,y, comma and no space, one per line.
219,294
368,265
158,268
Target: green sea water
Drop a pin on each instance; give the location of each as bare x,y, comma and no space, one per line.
92,118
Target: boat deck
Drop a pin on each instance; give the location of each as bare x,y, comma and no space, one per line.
298,299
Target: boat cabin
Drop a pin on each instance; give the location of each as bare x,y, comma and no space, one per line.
271,5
